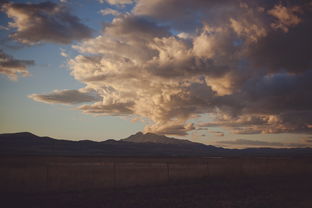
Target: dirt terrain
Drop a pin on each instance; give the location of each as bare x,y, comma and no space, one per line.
91,182
259,192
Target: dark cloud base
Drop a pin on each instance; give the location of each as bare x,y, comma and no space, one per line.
44,22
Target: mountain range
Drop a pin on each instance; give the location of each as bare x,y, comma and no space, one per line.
139,144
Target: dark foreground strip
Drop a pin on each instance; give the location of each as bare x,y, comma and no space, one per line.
260,192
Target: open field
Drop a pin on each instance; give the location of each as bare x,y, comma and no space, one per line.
155,182
257,192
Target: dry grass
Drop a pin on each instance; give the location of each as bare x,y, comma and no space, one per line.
258,192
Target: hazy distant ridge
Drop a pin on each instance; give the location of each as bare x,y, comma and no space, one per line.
139,144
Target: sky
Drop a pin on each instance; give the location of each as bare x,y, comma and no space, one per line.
230,73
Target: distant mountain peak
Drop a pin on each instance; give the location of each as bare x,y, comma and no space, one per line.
138,133
19,135
154,138
24,134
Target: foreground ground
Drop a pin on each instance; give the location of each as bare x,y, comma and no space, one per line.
273,192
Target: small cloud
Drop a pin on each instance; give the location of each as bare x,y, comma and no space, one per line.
307,139
216,133
116,2
64,54
286,17
3,27
246,142
259,143
109,11
12,67
136,119
201,128
185,35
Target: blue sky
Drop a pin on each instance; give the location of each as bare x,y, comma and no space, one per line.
157,67
19,113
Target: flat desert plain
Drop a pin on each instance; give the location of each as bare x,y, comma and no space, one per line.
34,181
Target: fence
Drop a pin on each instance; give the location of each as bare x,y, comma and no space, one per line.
91,175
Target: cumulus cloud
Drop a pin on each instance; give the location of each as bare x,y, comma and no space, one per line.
12,67
269,104
184,14
44,22
286,17
66,97
172,61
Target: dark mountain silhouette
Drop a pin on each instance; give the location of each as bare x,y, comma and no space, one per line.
139,144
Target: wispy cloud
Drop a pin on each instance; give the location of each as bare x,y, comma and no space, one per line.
66,97
258,143
216,133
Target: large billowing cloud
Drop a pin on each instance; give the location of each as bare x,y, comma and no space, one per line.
12,67
245,64
44,22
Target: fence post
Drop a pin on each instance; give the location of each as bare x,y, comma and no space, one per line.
168,172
